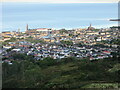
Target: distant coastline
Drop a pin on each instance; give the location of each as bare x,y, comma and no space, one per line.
69,16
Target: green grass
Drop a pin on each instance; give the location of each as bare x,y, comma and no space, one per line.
115,68
101,85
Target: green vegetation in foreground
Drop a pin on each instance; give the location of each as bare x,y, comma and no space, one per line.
102,85
66,73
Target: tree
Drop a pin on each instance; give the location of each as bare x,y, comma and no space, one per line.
47,62
12,39
95,38
63,31
33,76
66,42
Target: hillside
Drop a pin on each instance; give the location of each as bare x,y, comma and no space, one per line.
66,73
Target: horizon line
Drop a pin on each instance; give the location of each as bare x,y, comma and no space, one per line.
52,1
55,2
60,28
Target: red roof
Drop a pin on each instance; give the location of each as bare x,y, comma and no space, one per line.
106,52
42,29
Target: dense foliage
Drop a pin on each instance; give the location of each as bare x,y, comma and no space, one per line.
65,73
113,41
62,31
66,42
12,39
32,40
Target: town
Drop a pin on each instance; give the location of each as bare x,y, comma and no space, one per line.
90,43
60,44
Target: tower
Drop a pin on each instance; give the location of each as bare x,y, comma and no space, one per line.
27,27
49,34
90,25
19,30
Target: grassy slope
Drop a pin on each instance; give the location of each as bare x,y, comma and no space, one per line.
71,74
81,75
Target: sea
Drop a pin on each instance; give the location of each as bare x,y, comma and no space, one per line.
16,15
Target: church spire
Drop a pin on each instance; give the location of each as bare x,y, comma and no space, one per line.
27,27
18,30
90,25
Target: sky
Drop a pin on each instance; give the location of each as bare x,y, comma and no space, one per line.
57,15
64,1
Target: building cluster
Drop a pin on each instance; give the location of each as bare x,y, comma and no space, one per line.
53,47
56,51
88,36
